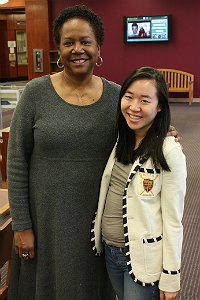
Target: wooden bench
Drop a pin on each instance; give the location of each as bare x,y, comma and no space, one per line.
6,241
3,156
178,81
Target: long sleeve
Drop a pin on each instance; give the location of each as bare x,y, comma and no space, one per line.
172,204
20,146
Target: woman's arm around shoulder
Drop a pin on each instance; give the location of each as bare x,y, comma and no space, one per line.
172,204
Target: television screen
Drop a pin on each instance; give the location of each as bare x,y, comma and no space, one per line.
148,29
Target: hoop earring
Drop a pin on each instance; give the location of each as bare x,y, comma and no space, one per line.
100,62
58,61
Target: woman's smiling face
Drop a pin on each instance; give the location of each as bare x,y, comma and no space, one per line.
78,47
139,105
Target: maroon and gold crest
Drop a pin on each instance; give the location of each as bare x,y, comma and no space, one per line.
148,184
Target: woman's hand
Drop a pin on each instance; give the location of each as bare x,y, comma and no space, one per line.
167,295
172,132
25,244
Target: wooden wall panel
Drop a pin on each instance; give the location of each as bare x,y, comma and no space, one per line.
4,63
37,30
37,9
12,37
22,71
10,68
15,70
19,18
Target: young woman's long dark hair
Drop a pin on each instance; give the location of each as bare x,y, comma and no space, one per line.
152,144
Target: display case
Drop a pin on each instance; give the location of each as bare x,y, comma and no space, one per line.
53,57
22,56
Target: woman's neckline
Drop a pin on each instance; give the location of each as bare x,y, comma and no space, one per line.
74,96
77,105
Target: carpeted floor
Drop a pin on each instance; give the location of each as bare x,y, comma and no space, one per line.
186,120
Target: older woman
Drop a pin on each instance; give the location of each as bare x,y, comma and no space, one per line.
60,139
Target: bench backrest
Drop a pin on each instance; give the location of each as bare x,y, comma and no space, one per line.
177,79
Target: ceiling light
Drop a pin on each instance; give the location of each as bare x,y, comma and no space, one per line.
3,1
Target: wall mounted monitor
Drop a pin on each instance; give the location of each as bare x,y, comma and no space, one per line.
148,29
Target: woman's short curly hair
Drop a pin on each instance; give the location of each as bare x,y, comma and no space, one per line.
79,12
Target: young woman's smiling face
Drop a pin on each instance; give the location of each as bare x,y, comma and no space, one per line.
78,47
139,105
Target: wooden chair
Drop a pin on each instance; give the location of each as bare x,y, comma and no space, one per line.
3,164
6,241
1,140
3,158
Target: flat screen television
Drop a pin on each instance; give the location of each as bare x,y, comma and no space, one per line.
148,29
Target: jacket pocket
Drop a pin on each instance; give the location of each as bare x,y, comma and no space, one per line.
153,255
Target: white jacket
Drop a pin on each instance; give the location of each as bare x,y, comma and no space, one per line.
152,212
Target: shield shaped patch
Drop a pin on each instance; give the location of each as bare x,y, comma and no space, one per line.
147,184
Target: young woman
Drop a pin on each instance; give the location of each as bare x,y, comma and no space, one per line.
142,195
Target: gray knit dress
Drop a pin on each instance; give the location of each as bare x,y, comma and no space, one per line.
56,156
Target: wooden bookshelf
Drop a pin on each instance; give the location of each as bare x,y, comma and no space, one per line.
53,57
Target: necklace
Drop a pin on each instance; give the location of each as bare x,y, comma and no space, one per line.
79,96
